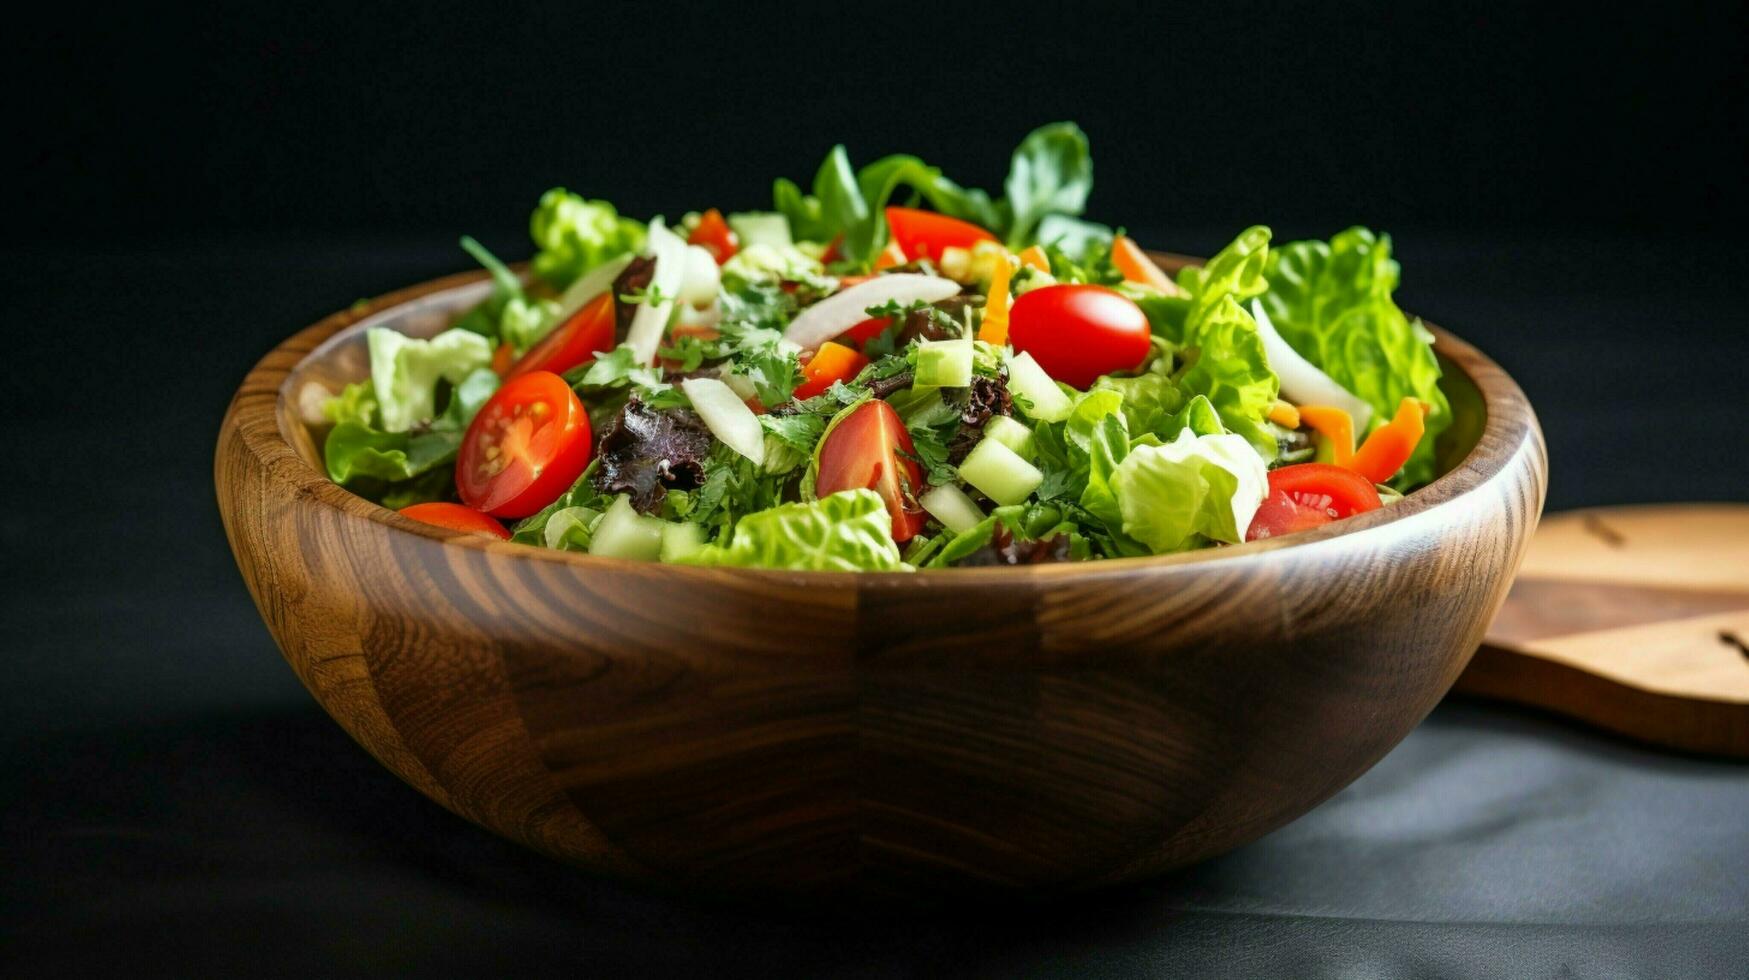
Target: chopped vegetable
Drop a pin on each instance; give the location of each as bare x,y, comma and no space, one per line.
950,505
727,416
1138,268
999,473
625,533
944,363
1335,429
995,328
1391,445
833,364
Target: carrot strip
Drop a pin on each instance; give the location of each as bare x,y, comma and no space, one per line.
995,328
1390,445
1138,268
1335,425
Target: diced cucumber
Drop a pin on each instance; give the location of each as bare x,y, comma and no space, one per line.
681,541
944,363
761,228
1010,433
1043,400
950,505
999,473
625,533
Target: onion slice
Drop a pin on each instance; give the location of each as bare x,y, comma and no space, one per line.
727,416
590,285
845,309
1301,381
651,320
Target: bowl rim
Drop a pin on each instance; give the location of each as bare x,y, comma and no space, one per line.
259,413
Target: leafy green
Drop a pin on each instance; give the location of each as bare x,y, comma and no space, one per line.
574,235
571,532
1332,302
508,300
1049,178
848,531
360,454
1228,366
1196,489
1150,399
405,372
1026,522
1051,173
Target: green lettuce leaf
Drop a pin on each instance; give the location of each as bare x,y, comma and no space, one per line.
1027,522
1332,302
405,372
1185,493
360,454
1051,173
849,531
1227,365
574,235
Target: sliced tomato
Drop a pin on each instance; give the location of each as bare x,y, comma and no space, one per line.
871,450
573,342
713,235
834,362
527,446
456,518
1077,332
1310,495
923,234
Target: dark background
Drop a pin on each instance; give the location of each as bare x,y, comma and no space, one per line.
1564,184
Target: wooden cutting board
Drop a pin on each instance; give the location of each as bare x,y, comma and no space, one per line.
1634,619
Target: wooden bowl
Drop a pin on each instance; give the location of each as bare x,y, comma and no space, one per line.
1026,730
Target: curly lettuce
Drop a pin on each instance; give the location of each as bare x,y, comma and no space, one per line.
849,532
574,235
1331,301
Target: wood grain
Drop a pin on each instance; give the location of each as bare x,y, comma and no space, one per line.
1634,619
1013,730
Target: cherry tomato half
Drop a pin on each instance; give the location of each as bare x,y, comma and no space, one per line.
573,342
456,518
714,236
923,234
1077,332
871,450
527,446
1311,495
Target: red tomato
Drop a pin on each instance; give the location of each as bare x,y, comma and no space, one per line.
456,518
866,331
526,447
923,234
1077,332
713,235
1310,495
864,452
573,342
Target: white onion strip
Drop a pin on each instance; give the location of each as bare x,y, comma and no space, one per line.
1301,381
590,285
845,309
651,320
727,416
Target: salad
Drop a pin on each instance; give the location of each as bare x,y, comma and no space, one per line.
889,371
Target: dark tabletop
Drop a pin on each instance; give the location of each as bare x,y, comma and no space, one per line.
173,803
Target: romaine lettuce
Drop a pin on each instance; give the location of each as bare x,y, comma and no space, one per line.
1196,488
404,372
849,531
1331,301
